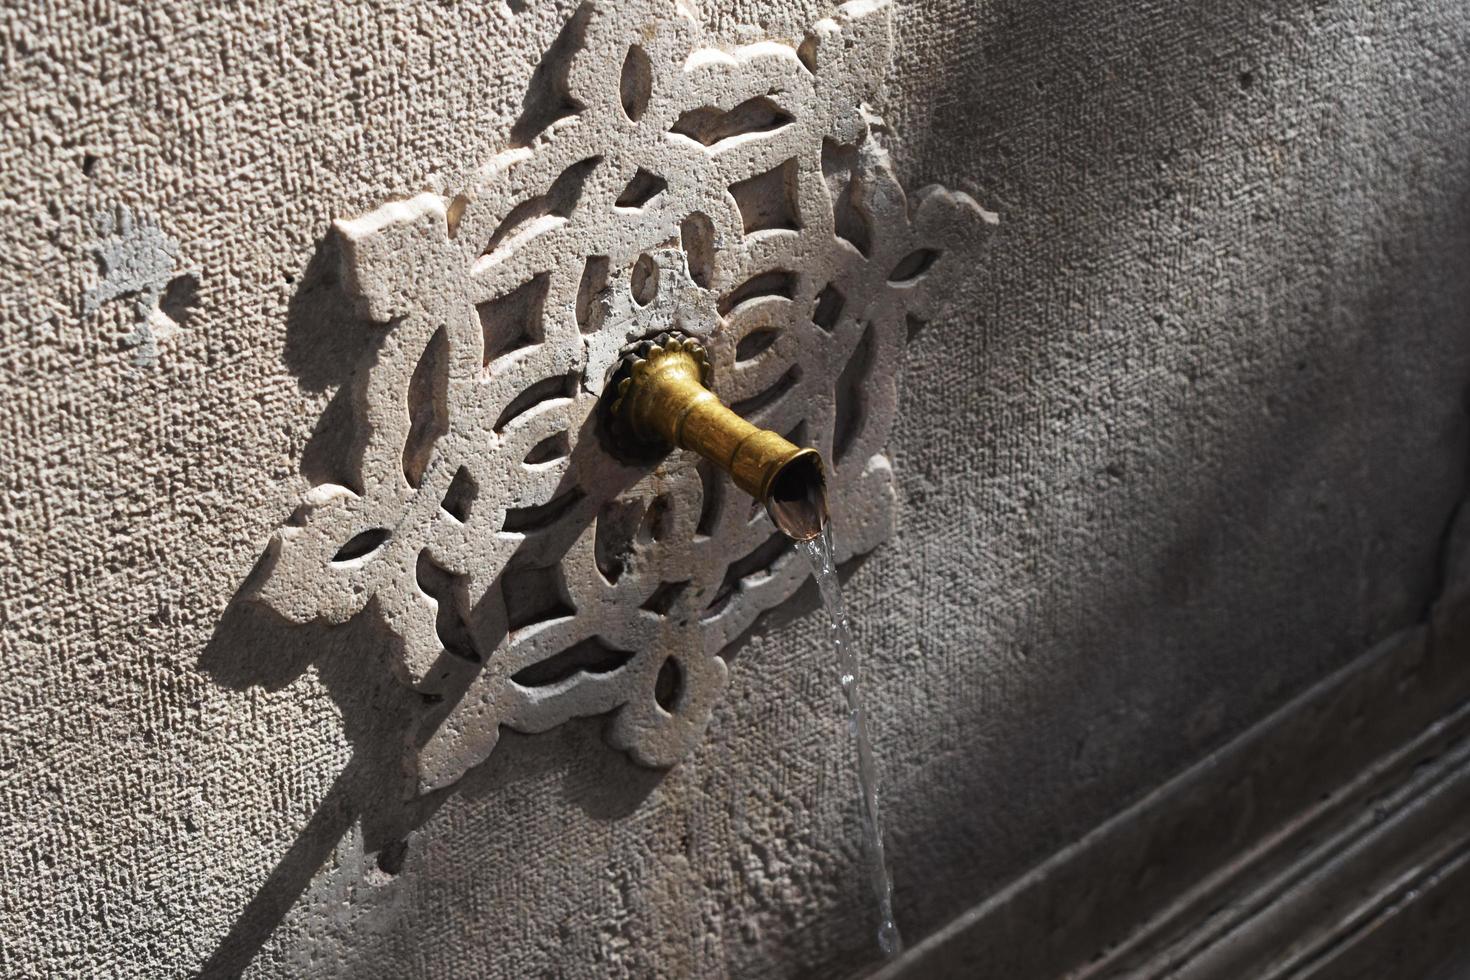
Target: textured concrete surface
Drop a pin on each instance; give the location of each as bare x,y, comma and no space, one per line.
1194,445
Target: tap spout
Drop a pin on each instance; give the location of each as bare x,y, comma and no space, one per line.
660,398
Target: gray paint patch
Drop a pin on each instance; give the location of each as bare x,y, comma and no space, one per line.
138,260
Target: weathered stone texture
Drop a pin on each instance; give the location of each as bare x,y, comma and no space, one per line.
1192,444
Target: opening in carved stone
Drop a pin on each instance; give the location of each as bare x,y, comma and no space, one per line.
851,405
428,406
851,220
439,585
759,402
522,520
362,544
643,188
768,201
554,447
460,496
537,215
636,83
590,656
534,595
665,596
712,126
806,53
669,685
655,523
454,212
392,856
776,282
545,390
697,236
513,321
590,307
612,545
644,281
756,564
912,266
914,326
712,498
753,344
828,307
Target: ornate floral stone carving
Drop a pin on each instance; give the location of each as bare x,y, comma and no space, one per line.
656,179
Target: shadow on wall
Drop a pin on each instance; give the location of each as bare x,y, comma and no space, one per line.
384,719
1089,906
1259,444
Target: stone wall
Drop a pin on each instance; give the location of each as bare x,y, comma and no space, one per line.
1191,443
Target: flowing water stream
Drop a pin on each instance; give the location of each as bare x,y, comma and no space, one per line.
819,553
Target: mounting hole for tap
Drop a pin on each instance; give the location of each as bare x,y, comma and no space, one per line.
643,282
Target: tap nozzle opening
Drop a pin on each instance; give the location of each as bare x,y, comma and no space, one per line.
797,497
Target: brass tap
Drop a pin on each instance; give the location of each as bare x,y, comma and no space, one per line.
661,399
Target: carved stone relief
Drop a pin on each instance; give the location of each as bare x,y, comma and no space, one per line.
656,180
